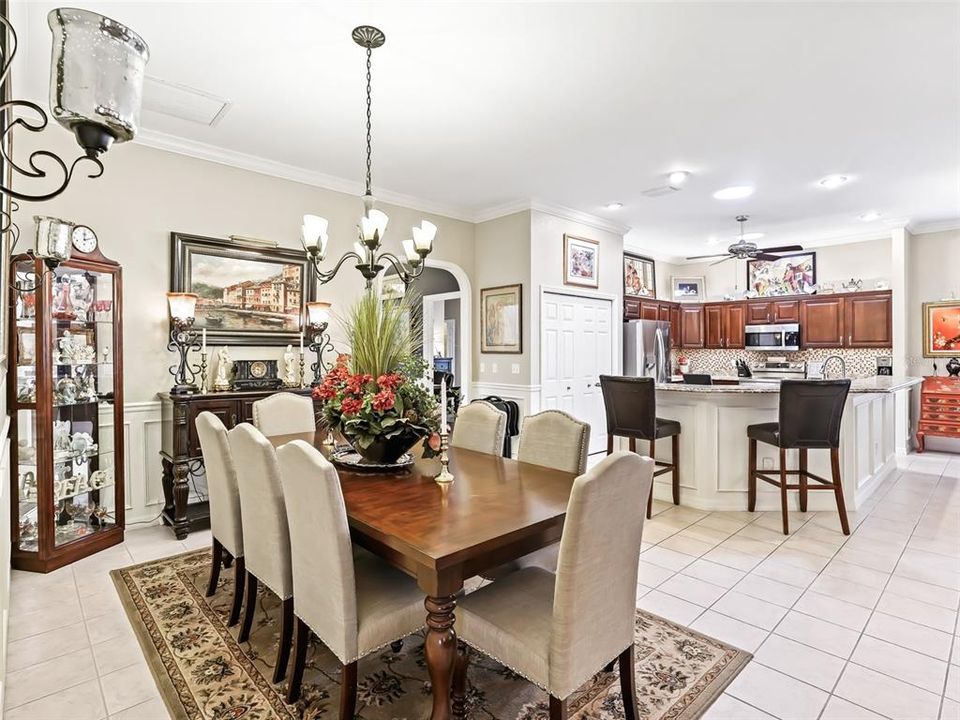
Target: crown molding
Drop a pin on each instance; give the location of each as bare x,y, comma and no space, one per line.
935,226
560,211
257,164
498,211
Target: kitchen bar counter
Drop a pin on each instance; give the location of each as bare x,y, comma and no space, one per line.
873,384
713,441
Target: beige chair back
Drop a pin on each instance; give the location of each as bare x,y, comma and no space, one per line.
267,547
224,496
554,439
480,426
324,586
594,604
284,413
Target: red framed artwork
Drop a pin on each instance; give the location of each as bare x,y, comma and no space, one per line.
941,328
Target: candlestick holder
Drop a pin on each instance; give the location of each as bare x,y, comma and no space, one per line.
203,371
445,477
319,344
303,379
183,339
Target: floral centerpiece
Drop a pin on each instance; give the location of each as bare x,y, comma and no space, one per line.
377,397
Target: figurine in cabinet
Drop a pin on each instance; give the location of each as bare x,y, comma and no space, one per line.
223,368
66,391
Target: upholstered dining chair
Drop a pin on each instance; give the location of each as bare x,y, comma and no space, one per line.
265,524
552,439
224,496
284,413
479,426
558,630
349,598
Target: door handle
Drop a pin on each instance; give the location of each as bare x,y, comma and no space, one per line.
849,339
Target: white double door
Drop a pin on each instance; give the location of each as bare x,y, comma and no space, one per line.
576,349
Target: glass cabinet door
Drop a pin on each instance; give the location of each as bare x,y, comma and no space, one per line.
81,317
24,361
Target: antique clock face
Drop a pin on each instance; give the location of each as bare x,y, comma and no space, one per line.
84,239
258,369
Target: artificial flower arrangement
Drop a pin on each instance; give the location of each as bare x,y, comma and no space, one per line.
376,397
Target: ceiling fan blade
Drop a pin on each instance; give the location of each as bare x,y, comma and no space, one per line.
728,257
782,248
765,256
707,257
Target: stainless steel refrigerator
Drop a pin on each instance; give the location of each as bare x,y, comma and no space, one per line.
646,349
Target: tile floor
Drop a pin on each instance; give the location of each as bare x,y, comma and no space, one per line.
841,628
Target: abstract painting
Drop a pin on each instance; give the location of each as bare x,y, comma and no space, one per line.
788,275
501,321
581,261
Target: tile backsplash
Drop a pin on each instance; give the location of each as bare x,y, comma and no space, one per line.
860,362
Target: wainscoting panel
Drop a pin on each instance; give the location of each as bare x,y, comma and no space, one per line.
143,472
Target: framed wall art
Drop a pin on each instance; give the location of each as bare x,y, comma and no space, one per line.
941,328
581,261
501,319
793,274
247,295
688,289
639,276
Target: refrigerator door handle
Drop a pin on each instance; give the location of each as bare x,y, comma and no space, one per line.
661,360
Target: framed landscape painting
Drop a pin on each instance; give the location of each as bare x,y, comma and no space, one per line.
581,261
639,276
247,295
941,328
788,275
501,319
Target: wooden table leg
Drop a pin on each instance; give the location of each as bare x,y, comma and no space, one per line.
181,493
440,649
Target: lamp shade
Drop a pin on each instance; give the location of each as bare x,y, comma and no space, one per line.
374,225
96,83
318,313
53,238
182,305
423,236
313,234
410,250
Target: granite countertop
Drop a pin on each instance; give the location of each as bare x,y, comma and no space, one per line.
873,384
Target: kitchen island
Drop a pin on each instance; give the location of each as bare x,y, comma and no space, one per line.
713,441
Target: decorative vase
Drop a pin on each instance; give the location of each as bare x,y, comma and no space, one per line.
387,450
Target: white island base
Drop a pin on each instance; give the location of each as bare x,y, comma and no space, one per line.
714,446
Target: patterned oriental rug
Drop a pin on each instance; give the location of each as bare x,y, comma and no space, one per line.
204,673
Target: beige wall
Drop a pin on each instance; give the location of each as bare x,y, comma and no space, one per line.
502,257
933,275
145,194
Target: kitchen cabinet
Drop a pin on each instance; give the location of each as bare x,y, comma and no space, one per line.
649,310
675,328
691,326
631,309
723,325
822,322
868,320
767,312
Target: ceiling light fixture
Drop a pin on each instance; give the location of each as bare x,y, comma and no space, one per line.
373,224
678,178
735,192
613,206
871,215
831,182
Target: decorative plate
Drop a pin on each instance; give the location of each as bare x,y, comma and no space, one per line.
352,460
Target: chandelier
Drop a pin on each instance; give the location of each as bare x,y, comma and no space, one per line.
366,253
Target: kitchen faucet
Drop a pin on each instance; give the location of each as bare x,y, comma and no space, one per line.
843,366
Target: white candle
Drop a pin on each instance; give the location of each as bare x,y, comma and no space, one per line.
301,343
443,406
204,339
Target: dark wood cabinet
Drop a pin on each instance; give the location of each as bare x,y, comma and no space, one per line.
675,328
691,326
785,311
723,325
713,326
649,310
868,320
822,322
631,309
180,452
663,312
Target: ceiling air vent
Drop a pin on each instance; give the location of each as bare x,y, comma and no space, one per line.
183,102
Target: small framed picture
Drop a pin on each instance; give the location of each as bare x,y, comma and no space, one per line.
941,328
26,347
639,276
581,261
501,319
688,289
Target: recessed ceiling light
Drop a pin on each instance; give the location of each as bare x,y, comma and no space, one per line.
753,236
678,177
613,206
737,192
831,182
870,216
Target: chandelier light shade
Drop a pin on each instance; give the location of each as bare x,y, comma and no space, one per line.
366,254
96,81
52,242
182,306
318,313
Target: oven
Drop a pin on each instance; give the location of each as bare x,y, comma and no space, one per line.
774,338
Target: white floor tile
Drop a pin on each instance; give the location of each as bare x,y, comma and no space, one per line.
850,592
130,686
924,613
839,709
750,610
669,559
83,701
49,677
728,707
670,607
832,610
46,646
714,573
886,695
728,630
950,710
777,694
652,575
817,633
933,594
910,635
800,661
770,590
953,683
923,671
687,545
696,591
150,710
780,571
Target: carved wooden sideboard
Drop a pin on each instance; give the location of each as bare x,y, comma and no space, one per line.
180,450
939,409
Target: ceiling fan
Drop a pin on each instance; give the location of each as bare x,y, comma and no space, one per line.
744,250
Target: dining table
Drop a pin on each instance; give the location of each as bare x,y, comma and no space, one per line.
495,510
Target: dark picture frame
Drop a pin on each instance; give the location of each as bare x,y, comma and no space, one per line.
264,304
639,274
773,276
504,305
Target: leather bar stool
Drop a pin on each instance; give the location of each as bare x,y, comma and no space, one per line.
697,379
631,407
810,415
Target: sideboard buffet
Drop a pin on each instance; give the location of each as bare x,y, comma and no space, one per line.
939,409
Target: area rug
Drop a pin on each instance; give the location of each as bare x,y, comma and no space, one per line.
204,673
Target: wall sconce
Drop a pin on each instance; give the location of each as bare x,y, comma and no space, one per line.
183,339
318,320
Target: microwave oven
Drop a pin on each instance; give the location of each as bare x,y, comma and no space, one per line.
775,338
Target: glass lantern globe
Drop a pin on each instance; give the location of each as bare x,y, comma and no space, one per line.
96,77
52,243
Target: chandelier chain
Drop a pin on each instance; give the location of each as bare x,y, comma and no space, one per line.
369,137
